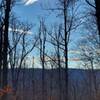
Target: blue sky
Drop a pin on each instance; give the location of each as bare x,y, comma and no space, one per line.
31,11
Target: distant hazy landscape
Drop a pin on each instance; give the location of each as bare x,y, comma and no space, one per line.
30,85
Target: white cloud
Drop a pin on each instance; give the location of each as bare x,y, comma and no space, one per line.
20,31
29,2
74,52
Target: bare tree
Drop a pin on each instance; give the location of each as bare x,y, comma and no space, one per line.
95,4
56,40
33,78
21,43
42,39
89,48
67,9
1,27
6,8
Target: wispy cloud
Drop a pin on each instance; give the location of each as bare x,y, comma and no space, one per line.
19,31
74,52
74,59
29,2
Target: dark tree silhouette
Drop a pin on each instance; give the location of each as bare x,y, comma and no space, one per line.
42,39
96,6
4,32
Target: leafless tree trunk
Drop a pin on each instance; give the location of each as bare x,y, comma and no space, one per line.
1,39
5,43
33,79
42,39
96,6
51,80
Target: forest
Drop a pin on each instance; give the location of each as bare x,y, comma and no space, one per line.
49,49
